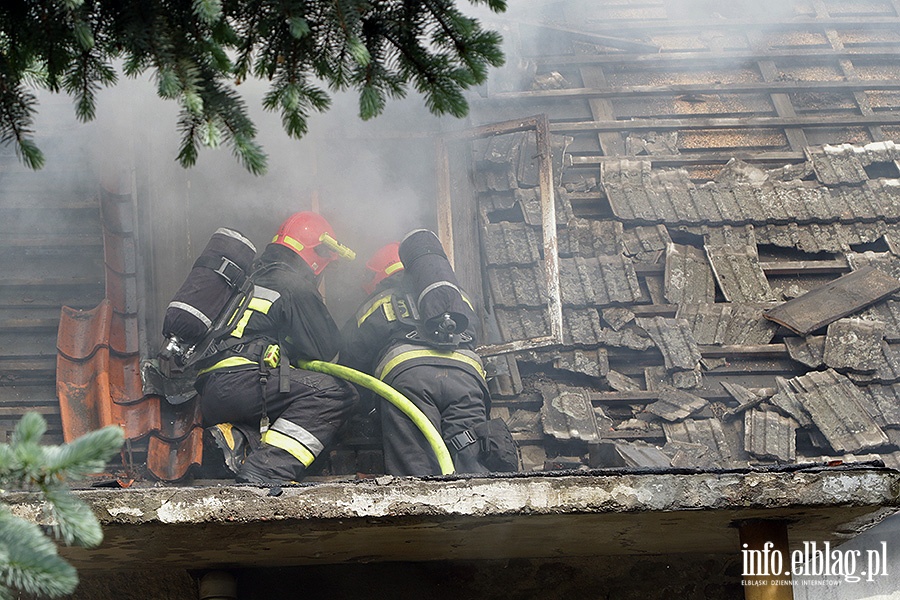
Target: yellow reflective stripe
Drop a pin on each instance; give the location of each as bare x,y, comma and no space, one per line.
391,269
372,308
389,312
239,328
466,300
293,243
260,305
423,353
234,361
289,445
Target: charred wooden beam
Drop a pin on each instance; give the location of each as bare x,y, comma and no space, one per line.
729,123
753,87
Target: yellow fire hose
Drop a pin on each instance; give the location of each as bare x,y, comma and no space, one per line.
394,397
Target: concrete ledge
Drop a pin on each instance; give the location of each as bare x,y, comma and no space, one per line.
520,516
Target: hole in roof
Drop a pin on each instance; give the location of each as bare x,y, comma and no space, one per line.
686,238
879,245
506,215
882,170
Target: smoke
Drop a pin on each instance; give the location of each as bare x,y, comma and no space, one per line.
373,180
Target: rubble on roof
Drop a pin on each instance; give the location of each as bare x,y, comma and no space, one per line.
688,277
809,350
853,344
769,435
567,414
835,406
839,298
739,274
627,454
727,323
703,432
882,402
846,163
676,405
674,339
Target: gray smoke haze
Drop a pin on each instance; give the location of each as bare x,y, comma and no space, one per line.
373,180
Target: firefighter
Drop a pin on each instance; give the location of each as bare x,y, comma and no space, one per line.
446,384
249,385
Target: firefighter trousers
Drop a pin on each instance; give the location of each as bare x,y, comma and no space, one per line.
452,399
303,421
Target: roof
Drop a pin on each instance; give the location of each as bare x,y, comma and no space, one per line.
445,518
727,216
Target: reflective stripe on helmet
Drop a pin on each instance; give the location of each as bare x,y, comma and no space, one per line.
288,241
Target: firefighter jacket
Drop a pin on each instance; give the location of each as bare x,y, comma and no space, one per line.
378,341
286,309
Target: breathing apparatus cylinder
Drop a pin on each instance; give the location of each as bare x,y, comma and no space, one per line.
441,309
220,269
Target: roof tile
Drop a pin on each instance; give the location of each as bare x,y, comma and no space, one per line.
835,406
769,435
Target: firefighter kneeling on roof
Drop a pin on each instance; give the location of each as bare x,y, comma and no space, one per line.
247,383
416,333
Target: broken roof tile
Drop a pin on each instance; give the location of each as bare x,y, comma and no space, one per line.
885,262
887,366
688,380
728,323
853,344
706,432
674,339
839,298
617,317
882,402
739,274
845,163
567,414
808,350
517,286
676,405
887,312
732,236
625,338
581,327
621,383
598,281
688,276
638,193
835,406
639,239
593,363
587,237
627,454
511,244
769,435
786,400
746,399
530,201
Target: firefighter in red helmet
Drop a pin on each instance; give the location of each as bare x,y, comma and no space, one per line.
248,385
446,384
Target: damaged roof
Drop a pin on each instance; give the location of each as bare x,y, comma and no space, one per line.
719,271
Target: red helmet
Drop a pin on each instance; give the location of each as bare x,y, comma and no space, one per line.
312,237
384,263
